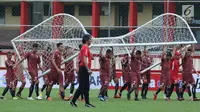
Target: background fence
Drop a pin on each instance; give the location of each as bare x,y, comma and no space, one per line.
101,18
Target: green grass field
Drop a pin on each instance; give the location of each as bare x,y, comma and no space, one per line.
112,105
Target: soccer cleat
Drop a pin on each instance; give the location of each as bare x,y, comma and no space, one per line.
39,98
90,105
168,99
106,97
66,99
143,97
116,96
195,99
164,96
120,94
191,98
73,104
154,97
2,97
19,96
14,98
128,96
136,99
102,99
49,98
30,98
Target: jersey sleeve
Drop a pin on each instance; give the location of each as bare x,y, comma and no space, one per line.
85,51
27,55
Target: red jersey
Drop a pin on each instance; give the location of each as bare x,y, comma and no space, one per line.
104,66
125,65
33,61
187,64
165,70
57,56
85,51
174,67
146,62
135,65
9,67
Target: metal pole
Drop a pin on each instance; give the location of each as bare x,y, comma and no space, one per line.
109,18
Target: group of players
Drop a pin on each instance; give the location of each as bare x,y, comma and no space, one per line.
132,78
131,69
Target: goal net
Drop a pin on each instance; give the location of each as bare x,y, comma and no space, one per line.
167,29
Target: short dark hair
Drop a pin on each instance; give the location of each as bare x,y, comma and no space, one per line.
125,54
9,53
108,51
80,46
189,50
86,37
169,54
138,52
59,44
35,45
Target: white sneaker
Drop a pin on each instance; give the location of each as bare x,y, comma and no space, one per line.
30,98
164,96
40,94
39,98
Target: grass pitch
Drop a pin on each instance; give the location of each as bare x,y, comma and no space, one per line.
111,105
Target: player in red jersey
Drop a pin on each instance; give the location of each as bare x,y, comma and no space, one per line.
187,64
174,69
146,77
69,71
19,77
33,64
84,72
165,73
125,74
55,75
10,77
135,73
104,72
46,57
113,75
77,69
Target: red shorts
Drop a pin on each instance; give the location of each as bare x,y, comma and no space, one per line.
146,77
105,80
69,77
126,77
188,78
55,78
34,76
135,79
10,80
174,79
165,80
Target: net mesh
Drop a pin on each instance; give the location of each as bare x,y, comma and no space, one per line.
165,29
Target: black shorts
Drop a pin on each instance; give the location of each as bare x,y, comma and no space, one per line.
84,83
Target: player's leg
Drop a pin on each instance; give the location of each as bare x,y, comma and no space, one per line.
143,85
61,87
23,81
49,88
66,80
116,80
183,89
31,88
105,84
123,88
133,87
71,89
158,91
147,85
37,90
4,92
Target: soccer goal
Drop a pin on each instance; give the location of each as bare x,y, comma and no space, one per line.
167,29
